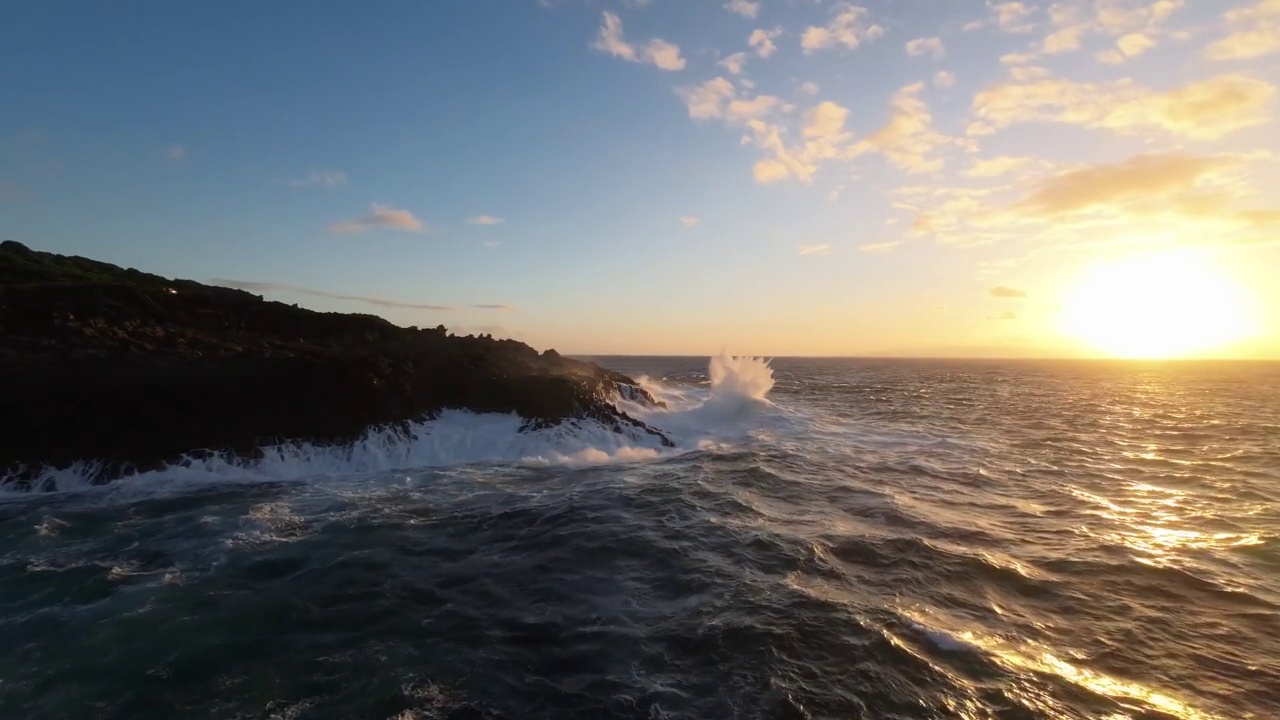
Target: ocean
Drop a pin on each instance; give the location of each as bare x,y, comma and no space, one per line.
882,539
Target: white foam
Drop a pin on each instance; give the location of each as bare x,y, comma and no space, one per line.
724,413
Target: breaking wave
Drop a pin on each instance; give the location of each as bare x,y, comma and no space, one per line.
724,412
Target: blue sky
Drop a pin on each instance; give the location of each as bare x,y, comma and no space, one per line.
781,176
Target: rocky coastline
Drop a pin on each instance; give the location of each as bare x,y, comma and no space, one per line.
130,371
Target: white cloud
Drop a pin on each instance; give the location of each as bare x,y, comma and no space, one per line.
814,249
926,46
944,79
745,8
485,220
849,27
708,100
1134,44
380,217
491,243
734,62
321,178
689,220
880,248
808,88
659,53
175,153
762,41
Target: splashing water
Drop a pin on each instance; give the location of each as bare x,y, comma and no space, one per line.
744,376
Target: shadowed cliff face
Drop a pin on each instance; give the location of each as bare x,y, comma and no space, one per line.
134,370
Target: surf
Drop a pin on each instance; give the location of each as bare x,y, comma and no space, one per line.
725,412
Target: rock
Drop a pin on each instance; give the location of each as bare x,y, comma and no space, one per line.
100,363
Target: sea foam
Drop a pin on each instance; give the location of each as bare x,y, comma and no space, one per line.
722,413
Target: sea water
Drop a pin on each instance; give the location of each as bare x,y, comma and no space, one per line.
829,539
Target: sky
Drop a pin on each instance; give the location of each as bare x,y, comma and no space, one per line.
777,177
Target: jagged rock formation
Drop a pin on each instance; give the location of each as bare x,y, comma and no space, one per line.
134,370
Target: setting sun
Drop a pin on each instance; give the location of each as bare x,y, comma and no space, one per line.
1156,306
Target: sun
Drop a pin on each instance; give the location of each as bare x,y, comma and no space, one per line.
1165,305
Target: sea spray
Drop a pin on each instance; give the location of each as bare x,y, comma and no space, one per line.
725,413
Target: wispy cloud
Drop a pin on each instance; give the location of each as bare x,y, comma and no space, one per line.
926,46
380,217
849,27
734,63
659,53
944,79
486,220
176,153
814,249
1207,109
880,248
689,220
1006,293
495,306
1006,315
1256,33
745,8
321,178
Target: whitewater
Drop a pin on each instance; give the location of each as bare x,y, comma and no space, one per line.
827,539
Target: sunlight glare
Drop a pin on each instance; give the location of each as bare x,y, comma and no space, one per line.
1158,306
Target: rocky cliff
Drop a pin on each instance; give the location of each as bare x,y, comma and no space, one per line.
100,363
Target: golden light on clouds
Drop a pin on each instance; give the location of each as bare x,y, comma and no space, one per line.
1164,305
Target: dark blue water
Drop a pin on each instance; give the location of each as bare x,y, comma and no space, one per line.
884,539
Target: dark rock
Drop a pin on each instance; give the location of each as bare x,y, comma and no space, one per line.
100,363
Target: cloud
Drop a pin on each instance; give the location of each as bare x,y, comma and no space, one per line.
814,249
909,139
1134,44
494,306
491,243
1006,293
1140,177
321,178
1010,16
849,27
762,41
1207,109
745,8
1257,33
485,220
176,153
926,46
1006,315
808,88
880,248
268,287
734,62
380,216
1062,41
944,79
999,166
689,220
659,53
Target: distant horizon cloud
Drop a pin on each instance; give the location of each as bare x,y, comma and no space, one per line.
380,216
486,220
814,249
1004,292
321,178
266,287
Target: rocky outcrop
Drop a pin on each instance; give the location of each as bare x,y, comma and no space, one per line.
100,363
